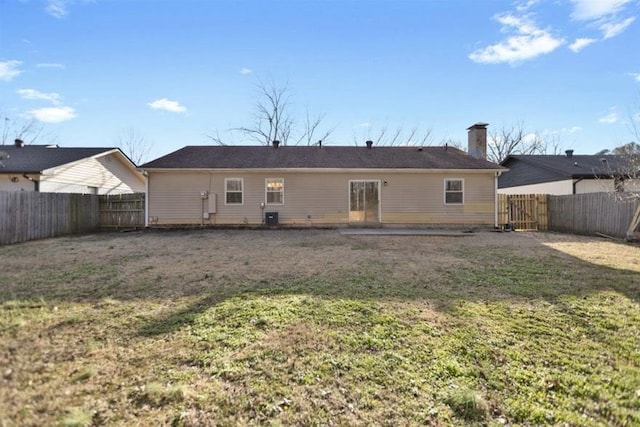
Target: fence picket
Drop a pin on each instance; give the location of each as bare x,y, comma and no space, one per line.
591,213
26,215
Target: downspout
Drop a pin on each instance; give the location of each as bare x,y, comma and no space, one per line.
146,198
36,184
574,185
495,201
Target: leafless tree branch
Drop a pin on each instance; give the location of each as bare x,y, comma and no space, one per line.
30,131
272,120
398,137
515,139
134,145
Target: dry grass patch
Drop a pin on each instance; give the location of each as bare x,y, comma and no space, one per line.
314,328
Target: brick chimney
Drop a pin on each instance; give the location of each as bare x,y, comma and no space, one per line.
276,143
19,143
478,141
369,144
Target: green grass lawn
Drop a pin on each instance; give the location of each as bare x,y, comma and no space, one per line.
370,330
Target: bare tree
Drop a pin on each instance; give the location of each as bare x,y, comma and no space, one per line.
271,119
311,126
396,137
515,140
629,149
632,156
134,145
274,121
450,142
622,164
29,131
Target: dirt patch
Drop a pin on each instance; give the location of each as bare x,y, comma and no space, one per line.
164,265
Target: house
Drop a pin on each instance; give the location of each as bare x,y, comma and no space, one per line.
52,169
564,174
324,185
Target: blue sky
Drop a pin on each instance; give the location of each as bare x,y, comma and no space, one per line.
179,70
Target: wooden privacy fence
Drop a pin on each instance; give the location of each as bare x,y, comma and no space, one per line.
591,213
26,215
523,211
122,211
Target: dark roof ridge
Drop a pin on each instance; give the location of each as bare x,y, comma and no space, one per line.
314,157
528,158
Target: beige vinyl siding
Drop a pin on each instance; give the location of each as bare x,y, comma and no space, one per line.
320,198
175,198
108,175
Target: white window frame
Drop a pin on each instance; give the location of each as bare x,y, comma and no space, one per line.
266,191
226,191
446,180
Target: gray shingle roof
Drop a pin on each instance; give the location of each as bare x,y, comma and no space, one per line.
536,169
37,158
267,157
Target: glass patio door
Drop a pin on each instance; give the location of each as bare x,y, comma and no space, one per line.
364,202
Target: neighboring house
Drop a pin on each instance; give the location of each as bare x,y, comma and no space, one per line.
566,174
51,169
324,185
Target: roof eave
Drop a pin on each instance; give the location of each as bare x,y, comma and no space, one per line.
329,170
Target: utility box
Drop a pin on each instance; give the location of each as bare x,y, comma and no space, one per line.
271,218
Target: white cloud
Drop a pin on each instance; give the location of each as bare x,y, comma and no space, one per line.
572,129
523,7
587,10
168,105
612,29
53,114
530,138
36,94
606,15
581,43
56,8
636,76
50,65
528,42
9,70
364,125
611,117
245,70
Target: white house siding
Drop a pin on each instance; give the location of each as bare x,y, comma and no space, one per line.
103,175
319,198
556,188
559,188
20,183
594,186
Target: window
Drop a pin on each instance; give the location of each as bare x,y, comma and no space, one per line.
453,192
233,191
275,191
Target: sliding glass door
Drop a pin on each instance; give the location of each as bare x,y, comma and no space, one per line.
364,202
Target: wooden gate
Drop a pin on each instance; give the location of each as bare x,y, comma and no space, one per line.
122,211
523,211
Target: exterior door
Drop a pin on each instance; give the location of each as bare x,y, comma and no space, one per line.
364,202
